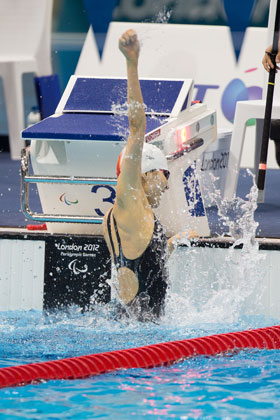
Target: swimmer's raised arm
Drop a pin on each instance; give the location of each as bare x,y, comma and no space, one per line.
129,46
130,177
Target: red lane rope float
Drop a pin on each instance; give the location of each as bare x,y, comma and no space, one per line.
140,357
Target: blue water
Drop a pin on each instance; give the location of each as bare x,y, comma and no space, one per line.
211,291
244,385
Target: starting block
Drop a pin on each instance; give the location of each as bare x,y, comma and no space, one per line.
74,153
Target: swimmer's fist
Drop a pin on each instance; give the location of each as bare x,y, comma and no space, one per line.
129,45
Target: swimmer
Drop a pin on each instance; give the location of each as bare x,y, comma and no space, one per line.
135,238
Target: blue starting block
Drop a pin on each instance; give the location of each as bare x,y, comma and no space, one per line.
74,151
87,110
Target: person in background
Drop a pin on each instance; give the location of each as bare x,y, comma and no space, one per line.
275,124
136,240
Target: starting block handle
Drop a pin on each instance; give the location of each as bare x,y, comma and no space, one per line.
27,179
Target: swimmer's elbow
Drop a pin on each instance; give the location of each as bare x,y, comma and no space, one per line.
137,119
137,129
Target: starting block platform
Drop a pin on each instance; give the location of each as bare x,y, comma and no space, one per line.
74,152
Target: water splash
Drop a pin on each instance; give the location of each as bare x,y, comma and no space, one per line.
238,214
213,284
120,111
163,16
247,267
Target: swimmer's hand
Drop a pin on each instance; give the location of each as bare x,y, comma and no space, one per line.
129,45
267,61
182,238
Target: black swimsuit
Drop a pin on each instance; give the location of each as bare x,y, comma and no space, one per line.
150,269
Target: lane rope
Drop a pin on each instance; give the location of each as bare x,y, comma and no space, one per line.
154,355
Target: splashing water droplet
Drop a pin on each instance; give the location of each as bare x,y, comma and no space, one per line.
163,16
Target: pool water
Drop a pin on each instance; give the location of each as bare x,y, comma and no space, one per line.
210,293
242,385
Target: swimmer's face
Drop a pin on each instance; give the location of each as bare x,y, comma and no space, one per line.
154,183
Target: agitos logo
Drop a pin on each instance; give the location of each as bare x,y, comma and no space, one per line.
63,199
73,267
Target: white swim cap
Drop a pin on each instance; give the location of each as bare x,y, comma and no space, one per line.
152,158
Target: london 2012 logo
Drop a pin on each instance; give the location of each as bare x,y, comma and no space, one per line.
63,199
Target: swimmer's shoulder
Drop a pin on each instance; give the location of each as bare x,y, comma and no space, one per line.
134,228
